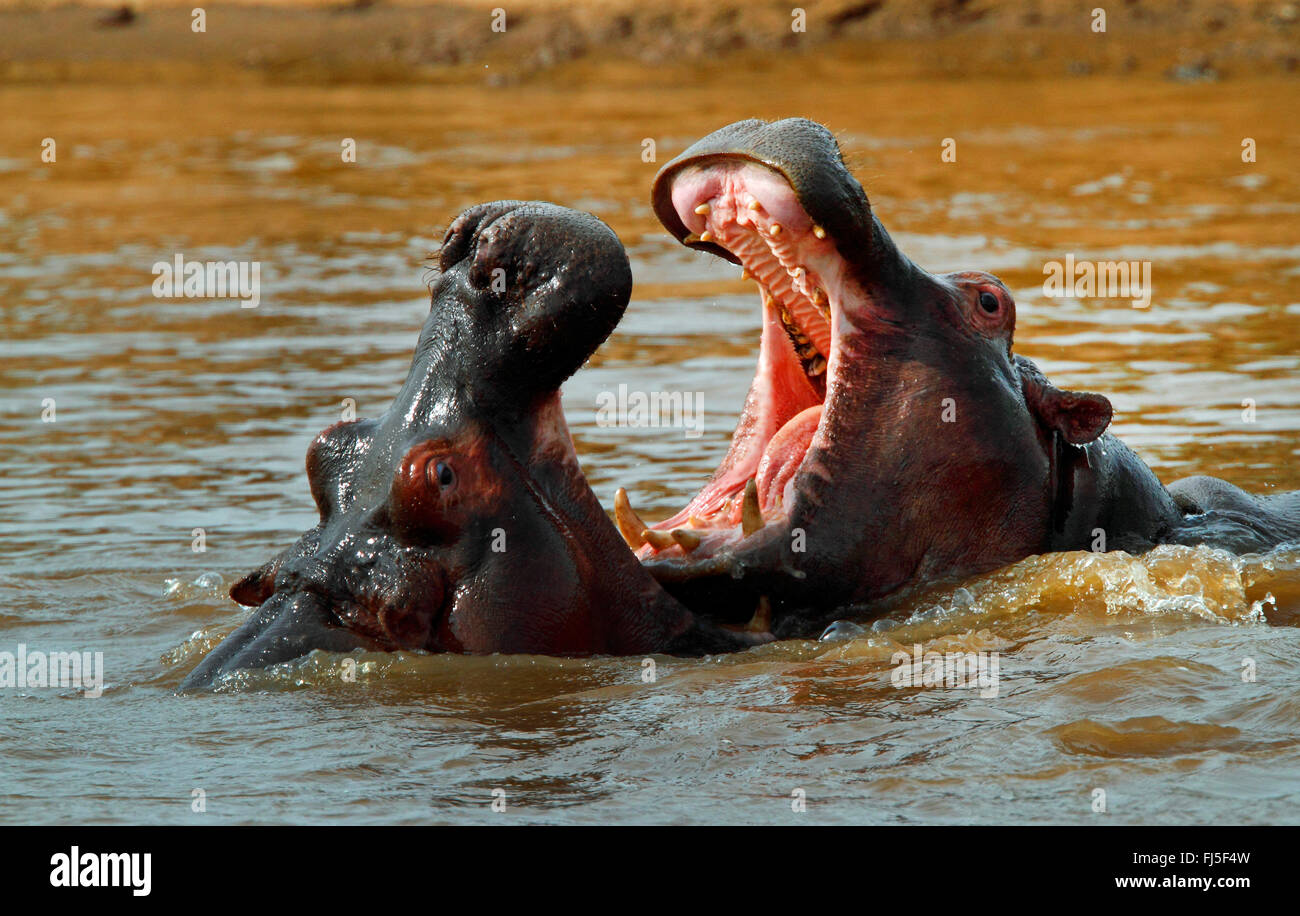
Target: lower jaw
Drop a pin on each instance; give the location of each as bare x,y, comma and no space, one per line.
755,484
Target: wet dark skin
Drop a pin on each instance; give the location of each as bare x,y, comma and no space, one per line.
459,520
938,453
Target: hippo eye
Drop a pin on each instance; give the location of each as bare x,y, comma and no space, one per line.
989,302
441,474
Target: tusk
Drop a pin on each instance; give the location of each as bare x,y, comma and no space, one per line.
751,517
629,524
761,622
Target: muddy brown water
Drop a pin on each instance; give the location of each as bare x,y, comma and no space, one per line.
1116,673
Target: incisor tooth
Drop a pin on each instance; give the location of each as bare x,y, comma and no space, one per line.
629,524
755,205
751,517
775,230
702,209
658,539
819,231
688,539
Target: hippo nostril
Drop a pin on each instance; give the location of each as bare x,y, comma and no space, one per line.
469,227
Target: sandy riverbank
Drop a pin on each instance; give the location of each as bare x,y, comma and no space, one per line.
384,41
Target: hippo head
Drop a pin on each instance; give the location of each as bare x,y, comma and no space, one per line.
889,435
459,520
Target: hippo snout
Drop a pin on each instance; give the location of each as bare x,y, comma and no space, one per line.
544,285
287,626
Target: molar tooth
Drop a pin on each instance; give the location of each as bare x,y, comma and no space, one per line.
817,366
819,231
629,523
688,539
775,230
690,237
821,302
703,209
751,516
755,205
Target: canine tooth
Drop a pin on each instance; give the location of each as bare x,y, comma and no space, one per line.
751,517
755,205
658,539
688,539
706,236
775,230
817,366
819,231
702,209
629,523
761,622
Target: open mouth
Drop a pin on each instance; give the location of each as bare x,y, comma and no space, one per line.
754,216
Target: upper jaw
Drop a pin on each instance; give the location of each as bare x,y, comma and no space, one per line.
755,216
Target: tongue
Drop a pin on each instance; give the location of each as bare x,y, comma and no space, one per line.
784,454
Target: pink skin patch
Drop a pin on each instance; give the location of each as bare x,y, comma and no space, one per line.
753,212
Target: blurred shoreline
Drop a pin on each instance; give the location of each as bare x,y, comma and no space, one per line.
380,41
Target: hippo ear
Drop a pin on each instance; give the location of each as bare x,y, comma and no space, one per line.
258,585
1079,416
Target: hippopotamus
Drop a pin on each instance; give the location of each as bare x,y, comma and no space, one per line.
459,520
891,436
